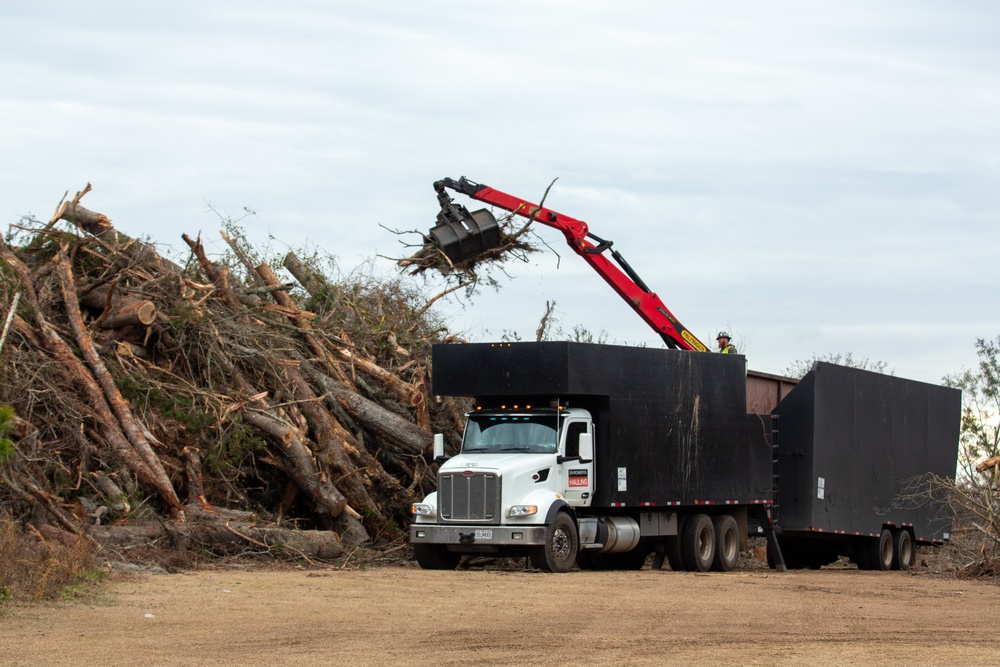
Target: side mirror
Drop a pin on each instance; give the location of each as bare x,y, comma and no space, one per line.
439,456
586,448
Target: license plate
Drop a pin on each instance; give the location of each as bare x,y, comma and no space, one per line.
484,534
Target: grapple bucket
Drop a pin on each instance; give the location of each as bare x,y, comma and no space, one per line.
462,235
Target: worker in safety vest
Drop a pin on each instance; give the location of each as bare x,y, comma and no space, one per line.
725,347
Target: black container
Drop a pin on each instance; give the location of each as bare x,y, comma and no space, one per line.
850,442
671,426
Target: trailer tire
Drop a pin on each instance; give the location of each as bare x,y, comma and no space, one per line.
903,547
435,557
727,543
559,552
698,543
885,551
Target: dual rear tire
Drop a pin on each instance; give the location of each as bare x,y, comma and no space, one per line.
708,543
893,549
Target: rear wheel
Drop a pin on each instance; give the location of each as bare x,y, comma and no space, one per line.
558,554
698,543
435,557
727,543
885,553
905,552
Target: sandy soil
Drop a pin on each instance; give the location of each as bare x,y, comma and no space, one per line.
402,615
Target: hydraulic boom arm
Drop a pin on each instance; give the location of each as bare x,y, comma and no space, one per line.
462,235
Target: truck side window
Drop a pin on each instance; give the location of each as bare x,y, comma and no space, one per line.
573,431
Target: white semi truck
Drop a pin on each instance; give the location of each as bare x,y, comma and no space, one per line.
598,455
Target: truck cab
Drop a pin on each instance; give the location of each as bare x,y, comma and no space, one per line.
519,467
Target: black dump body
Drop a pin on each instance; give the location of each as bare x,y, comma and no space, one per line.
849,443
671,426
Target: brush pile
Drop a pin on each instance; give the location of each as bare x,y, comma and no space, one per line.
207,403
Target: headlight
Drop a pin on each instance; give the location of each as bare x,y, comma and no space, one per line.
522,510
422,509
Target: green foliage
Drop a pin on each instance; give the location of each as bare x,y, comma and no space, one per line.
980,430
177,406
236,444
7,415
799,368
83,585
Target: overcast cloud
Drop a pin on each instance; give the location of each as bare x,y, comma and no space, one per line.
819,177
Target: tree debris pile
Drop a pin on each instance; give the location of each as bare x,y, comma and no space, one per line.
209,392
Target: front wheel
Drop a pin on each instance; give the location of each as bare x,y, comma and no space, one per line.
558,554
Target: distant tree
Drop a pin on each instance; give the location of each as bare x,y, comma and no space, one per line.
980,430
974,494
798,369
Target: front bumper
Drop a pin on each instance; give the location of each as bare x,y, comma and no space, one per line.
478,536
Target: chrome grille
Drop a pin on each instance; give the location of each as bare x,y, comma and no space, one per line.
471,498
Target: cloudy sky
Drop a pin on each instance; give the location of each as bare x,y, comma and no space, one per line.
818,177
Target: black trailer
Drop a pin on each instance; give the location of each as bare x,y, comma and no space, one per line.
851,445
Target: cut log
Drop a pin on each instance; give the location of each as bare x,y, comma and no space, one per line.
297,462
224,539
141,313
404,391
99,225
410,438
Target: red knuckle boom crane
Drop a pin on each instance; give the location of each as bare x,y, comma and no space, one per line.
462,235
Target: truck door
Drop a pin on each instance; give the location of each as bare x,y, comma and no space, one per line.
576,477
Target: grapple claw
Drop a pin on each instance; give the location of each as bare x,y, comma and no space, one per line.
462,235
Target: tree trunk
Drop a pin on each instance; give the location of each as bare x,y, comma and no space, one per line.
313,282
119,405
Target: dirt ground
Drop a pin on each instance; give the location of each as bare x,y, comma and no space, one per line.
403,615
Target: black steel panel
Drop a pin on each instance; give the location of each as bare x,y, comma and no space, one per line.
677,419
849,441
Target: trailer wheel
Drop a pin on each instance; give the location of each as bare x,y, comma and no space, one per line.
558,554
727,543
903,546
885,552
698,543
435,557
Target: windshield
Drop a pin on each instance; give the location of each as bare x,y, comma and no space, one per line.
492,434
